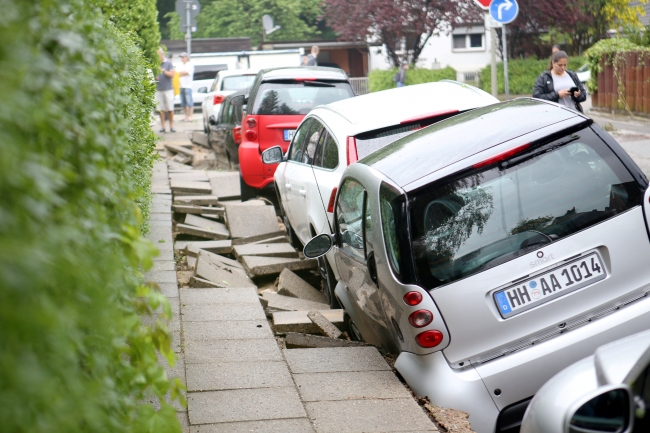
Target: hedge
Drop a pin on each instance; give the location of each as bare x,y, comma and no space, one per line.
76,152
383,79
615,49
522,74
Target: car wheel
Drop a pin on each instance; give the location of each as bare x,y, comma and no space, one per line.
247,192
353,331
328,282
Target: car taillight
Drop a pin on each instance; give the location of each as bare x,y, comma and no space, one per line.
501,156
250,135
420,318
330,205
413,298
217,99
251,122
429,339
236,134
352,150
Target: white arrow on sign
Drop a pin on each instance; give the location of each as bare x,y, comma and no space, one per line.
507,5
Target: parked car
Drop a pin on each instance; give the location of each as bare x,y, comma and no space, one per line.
608,391
275,105
584,74
203,77
333,136
225,83
491,250
225,132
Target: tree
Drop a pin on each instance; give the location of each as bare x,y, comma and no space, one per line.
402,25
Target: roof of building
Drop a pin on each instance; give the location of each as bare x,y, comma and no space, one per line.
645,19
210,45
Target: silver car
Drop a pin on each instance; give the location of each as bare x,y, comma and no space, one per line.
491,250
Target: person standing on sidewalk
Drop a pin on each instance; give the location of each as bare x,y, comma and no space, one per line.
400,76
312,57
186,73
165,91
560,85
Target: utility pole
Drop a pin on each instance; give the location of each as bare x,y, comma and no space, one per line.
505,60
493,58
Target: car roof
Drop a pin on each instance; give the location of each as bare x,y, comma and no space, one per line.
459,137
237,72
304,72
391,107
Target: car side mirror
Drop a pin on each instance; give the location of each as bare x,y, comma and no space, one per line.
212,121
610,411
202,90
272,155
238,100
318,246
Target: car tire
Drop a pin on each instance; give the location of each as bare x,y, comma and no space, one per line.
247,192
328,282
352,330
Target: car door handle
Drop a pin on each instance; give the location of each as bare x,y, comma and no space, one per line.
303,192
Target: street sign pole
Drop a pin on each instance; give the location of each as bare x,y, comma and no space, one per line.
505,61
493,58
188,34
504,12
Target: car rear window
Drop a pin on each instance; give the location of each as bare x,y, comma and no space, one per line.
237,82
298,98
487,217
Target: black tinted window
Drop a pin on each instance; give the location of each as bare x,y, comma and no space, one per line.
488,217
304,141
330,153
297,98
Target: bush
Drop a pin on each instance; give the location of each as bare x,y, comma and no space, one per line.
383,79
612,47
76,155
522,74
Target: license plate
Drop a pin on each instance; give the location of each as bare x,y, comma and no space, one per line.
288,134
542,288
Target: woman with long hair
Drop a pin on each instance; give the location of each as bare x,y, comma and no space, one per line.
559,84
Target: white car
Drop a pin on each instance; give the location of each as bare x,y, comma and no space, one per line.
224,84
202,79
333,136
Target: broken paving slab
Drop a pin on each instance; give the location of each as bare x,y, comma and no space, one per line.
185,187
196,210
207,224
197,231
192,248
245,221
291,284
297,321
238,375
221,275
225,184
176,166
325,327
221,261
297,340
190,176
200,283
267,238
274,240
200,138
179,149
257,266
269,250
335,359
287,303
237,295
197,200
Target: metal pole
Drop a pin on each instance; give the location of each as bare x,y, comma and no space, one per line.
493,55
188,33
505,61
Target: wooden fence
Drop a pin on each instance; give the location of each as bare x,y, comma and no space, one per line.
624,85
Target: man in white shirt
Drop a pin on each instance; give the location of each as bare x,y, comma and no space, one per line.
186,74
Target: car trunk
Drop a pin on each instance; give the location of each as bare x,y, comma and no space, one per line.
277,130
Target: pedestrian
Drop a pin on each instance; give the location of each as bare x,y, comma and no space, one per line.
186,73
400,76
560,85
554,50
312,57
165,91
305,60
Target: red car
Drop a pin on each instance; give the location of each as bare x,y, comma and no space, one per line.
277,102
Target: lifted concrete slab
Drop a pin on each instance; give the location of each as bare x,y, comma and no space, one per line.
237,375
260,238
395,415
197,231
293,425
193,248
286,303
179,149
190,176
183,187
245,221
335,359
274,240
227,330
225,184
197,200
268,250
214,312
200,138
176,166
200,283
223,276
244,405
207,224
258,266
324,326
220,260
350,386
296,340
297,321
291,284
205,352
247,295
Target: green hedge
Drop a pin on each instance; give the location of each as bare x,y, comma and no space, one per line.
76,151
522,74
383,79
614,48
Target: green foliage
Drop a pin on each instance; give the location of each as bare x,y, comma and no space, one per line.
640,36
383,79
522,74
613,48
77,153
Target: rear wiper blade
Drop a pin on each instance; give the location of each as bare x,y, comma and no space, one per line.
318,84
541,150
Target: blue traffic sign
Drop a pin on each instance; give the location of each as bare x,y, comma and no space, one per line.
504,11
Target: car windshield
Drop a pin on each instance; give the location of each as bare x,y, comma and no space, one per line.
298,98
490,216
237,82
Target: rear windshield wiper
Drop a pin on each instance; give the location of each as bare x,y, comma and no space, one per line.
536,152
318,84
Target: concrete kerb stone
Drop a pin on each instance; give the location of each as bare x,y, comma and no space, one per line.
287,303
335,359
297,321
180,187
325,326
238,375
197,200
349,386
292,285
267,237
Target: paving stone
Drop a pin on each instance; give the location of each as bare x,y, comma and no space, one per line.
158,208
260,238
192,248
164,265
161,189
183,159
244,405
184,420
200,283
173,165
209,212
197,200
274,240
257,266
349,386
225,185
164,216
222,276
204,313
268,250
179,208
202,352
159,224
219,260
293,425
247,295
335,359
249,220
325,326
197,231
296,340
176,341
161,276
169,289
179,149
191,261
227,330
287,303
297,321
395,415
200,138
165,254
192,176
237,375
207,224
291,284
181,187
